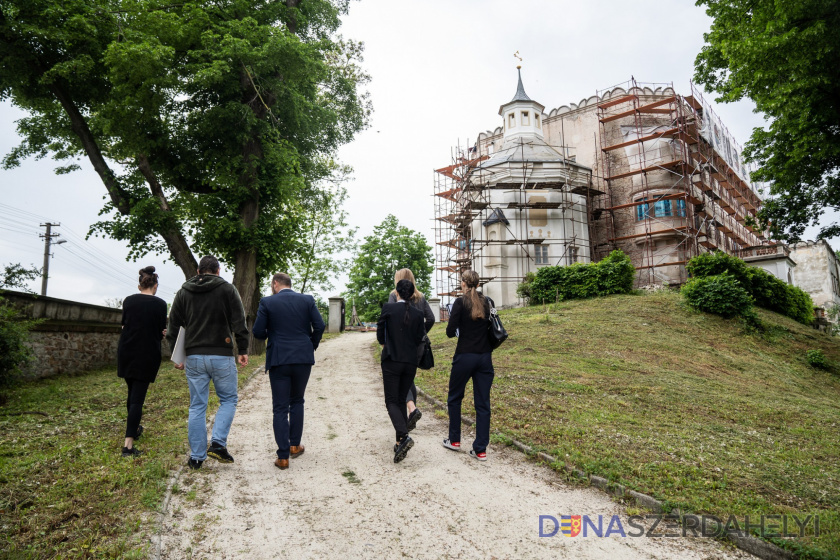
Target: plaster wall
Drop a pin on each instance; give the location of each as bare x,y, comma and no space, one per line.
817,271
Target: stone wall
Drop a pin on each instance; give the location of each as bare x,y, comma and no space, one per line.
72,336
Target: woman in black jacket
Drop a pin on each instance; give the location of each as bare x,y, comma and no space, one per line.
399,330
138,353
468,320
419,301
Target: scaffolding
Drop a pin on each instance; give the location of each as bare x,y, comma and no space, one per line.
667,191
470,196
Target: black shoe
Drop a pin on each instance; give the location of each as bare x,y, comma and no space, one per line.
133,452
194,465
413,418
402,448
139,433
219,453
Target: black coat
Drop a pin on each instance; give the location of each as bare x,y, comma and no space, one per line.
400,337
472,333
138,353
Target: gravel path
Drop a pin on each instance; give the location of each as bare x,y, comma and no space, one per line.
345,498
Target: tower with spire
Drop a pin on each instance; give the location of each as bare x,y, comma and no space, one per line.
522,115
534,216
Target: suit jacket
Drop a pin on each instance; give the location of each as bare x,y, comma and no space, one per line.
292,325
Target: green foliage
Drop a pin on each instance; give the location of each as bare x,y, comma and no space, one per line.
718,262
523,289
213,123
14,354
817,359
612,275
766,290
326,237
833,313
389,248
720,294
784,56
16,277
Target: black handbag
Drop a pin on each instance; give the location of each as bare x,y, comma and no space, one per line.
495,330
427,359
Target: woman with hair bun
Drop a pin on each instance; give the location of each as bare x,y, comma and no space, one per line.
417,301
138,353
399,330
468,320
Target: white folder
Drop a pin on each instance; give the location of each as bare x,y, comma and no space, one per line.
179,353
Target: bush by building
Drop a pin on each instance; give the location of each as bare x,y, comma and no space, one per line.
720,294
613,275
766,290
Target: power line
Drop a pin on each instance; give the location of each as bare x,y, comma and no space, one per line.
85,251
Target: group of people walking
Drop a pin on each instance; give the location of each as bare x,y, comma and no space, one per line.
209,316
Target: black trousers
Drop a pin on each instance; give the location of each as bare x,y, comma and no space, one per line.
288,384
134,405
479,368
397,379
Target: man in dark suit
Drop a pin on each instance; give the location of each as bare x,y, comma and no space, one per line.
293,326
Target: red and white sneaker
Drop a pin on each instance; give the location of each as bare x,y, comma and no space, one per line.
480,456
453,445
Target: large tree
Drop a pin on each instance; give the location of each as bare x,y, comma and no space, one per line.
389,248
784,55
210,124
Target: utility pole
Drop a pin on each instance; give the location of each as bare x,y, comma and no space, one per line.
48,241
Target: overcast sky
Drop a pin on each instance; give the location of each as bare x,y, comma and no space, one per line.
440,70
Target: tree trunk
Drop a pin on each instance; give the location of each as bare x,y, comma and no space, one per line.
171,234
170,230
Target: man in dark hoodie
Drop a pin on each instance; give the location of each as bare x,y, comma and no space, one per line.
211,312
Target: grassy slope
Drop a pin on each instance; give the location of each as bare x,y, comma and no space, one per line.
675,403
65,491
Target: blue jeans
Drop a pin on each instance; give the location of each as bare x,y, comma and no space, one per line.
288,384
200,371
479,368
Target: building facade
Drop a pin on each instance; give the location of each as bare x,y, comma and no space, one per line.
817,272
639,168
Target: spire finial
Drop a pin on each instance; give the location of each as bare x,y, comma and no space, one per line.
520,89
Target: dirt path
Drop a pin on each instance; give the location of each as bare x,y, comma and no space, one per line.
345,498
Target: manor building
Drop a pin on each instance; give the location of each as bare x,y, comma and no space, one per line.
639,168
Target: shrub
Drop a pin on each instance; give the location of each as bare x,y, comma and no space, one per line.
14,354
613,275
767,291
716,263
523,290
800,306
720,294
817,359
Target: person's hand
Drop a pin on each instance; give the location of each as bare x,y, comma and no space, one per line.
242,359
179,366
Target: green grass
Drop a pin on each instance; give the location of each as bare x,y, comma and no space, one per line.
330,335
685,406
65,490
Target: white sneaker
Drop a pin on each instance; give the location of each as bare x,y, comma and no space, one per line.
453,445
480,456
